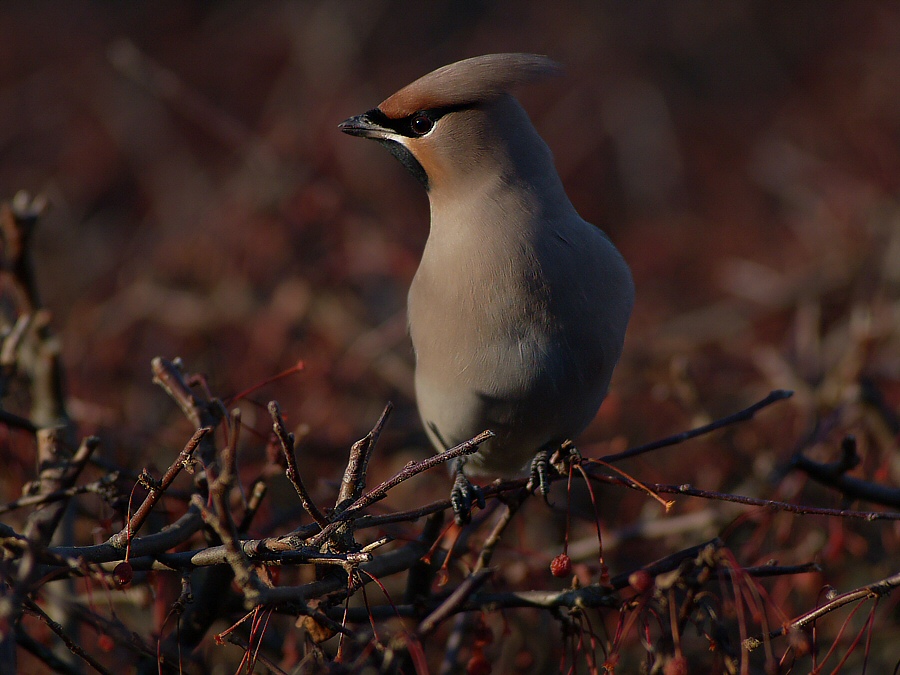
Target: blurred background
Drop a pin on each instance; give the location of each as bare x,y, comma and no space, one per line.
742,155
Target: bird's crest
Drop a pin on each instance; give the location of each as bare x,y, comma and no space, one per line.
469,81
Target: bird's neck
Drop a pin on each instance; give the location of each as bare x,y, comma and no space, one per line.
493,207
508,167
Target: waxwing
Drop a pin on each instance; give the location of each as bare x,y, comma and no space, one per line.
518,309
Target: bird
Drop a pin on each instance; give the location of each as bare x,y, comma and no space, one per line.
518,309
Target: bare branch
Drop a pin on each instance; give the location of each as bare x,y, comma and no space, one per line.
152,544
687,489
354,481
99,487
834,475
56,474
220,518
257,494
512,505
457,598
286,440
202,413
71,645
157,490
410,470
869,591
740,416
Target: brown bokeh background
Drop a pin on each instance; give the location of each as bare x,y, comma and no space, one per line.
743,156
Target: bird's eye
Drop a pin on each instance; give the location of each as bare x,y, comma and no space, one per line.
421,124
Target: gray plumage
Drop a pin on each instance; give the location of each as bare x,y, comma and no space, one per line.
519,307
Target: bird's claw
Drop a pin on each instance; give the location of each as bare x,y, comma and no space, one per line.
462,496
543,467
541,474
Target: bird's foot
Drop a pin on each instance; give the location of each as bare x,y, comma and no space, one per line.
550,462
540,473
463,495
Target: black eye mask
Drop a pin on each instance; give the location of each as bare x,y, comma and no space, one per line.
416,125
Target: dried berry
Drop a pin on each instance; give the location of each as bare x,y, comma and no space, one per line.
561,566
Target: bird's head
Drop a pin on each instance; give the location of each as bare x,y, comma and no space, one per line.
457,121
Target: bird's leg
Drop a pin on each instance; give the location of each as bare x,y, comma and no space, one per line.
543,468
540,473
464,494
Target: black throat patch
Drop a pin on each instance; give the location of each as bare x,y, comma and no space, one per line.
403,127
407,159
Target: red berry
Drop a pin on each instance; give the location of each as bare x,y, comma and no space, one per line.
561,566
678,665
123,574
478,665
640,580
106,643
482,635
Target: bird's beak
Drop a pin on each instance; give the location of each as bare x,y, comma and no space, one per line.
363,125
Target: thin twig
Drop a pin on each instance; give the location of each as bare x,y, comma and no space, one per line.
56,473
875,590
269,663
503,487
286,440
170,376
9,352
513,503
834,475
127,533
354,480
39,651
458,597
257,494
410,470
740,416
392,562
687,489
220,517
667,564
477,602
761,571
124,637
99,487
76,649
16,422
